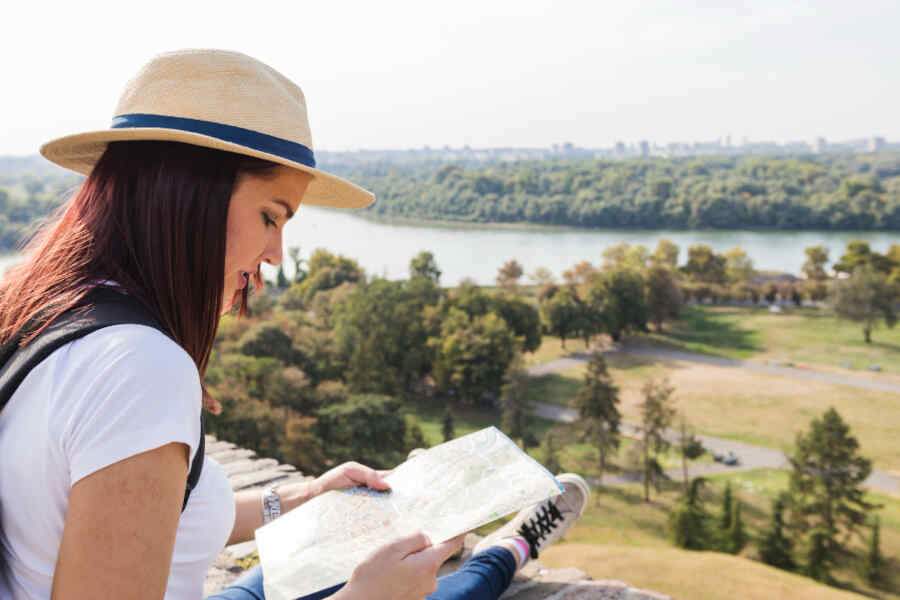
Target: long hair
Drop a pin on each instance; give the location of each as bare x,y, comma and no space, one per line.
152,217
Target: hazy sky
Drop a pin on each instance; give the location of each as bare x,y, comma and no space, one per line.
391,74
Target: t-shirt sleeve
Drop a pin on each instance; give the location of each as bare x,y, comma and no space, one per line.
128,389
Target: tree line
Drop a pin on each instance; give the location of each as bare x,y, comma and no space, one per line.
847,192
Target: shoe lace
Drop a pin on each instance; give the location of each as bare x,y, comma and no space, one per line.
540,526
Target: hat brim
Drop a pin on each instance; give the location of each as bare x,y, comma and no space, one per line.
80,152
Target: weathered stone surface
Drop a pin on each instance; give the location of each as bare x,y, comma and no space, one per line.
226,456
533,582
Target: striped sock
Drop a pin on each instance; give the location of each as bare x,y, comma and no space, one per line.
523,550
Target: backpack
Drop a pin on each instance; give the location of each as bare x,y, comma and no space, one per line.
106,307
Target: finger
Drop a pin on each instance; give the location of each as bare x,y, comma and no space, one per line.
367,476
438,554
409,544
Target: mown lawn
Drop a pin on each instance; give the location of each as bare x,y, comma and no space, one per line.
797,335
744,405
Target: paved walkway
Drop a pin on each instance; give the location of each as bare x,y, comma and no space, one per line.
751,456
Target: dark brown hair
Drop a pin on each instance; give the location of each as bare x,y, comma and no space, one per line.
152,217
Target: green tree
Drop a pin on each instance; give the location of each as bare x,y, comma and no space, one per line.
656,416
522,317
859,254
281,280
562,314
816,260
736,537
424,265
704,265
300,272
665,254
472,355
727,505
738,266
664,297
873,567
866,298
366,425
514,401
509,274
776,548
448,427
689,521
379,328
689,448
327,271
269,340
826,494
597,402
620,296
550,453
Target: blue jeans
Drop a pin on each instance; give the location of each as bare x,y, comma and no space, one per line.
483,577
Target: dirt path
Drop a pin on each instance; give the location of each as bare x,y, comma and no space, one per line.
804,374
751,457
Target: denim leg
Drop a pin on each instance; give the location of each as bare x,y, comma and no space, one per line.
249,586
483,577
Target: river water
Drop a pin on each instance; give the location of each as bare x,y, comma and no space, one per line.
476,252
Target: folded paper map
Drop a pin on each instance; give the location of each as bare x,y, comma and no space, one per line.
448,490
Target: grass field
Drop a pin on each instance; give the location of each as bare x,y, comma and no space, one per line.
622,537
743,405
798,335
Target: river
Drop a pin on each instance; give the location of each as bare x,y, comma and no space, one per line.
476,252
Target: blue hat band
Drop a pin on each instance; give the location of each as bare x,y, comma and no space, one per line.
227,133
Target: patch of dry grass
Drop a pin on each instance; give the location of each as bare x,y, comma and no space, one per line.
690,575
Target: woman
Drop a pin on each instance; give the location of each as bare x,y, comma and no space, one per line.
186,195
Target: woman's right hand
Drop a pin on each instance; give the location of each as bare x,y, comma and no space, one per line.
405,569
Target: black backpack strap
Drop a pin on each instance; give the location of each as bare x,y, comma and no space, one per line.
102,307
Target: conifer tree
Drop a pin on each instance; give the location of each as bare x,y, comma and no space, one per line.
656,416
688,523
550,453
826,495
597,402
775,548
513,409
737,537
874,563
727,504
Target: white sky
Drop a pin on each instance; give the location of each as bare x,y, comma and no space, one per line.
392,74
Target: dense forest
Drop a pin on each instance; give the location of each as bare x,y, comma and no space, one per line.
30,189
846,192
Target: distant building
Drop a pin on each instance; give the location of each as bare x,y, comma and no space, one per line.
820,145
876,144
645,148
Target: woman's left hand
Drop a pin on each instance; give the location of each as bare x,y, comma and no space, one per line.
350,474
347,475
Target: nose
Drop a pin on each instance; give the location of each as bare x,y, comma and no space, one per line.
273,253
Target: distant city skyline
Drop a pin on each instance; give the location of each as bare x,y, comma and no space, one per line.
523,74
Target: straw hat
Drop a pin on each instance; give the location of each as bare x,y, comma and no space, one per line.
216,99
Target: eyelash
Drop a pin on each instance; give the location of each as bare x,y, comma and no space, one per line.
268,220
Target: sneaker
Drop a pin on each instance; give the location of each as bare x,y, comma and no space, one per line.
546,522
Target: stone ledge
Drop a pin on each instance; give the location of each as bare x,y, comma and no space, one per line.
534,582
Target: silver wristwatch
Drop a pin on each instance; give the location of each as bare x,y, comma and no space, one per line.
271,504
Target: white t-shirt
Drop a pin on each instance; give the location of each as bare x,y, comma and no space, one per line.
114,393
